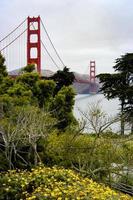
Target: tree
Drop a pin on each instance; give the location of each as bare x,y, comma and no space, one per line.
20,134
96,120
3,71
125,66
45,90
129,107
117,85
42,90
29,68
63,103
29,79
63,78
6,83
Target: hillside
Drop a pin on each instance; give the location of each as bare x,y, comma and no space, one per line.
54,183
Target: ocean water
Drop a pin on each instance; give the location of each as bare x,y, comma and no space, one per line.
111,107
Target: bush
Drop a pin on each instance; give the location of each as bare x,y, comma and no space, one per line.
99,158
53,183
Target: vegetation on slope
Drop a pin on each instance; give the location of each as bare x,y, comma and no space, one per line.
53,183
37,126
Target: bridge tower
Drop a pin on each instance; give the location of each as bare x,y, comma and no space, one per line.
92,71
33,31
92,77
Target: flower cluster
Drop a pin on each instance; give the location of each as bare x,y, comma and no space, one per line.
54,183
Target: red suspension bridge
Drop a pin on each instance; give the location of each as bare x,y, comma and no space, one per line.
24,45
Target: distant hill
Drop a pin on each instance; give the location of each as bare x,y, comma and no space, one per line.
16,72
81,84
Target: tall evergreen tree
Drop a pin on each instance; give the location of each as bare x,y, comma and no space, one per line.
117,85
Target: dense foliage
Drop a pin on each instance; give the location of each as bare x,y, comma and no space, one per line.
29,112
103,159
37,126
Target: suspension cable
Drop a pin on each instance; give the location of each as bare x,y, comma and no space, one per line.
47,50
13,40
52,43
13,30
49,55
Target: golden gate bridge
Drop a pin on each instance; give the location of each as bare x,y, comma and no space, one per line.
24,45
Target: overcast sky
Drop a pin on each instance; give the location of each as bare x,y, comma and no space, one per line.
81,30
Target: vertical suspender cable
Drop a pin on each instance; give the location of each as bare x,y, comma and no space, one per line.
47,51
